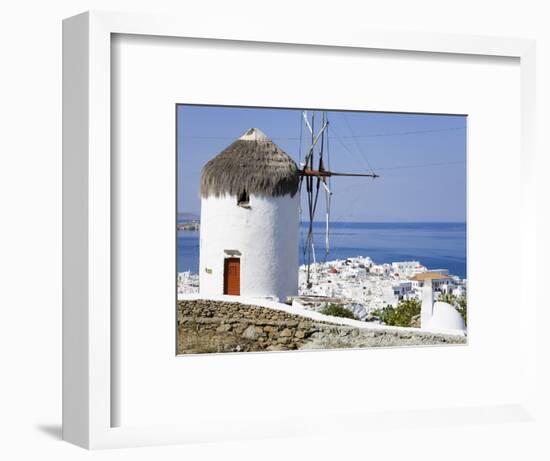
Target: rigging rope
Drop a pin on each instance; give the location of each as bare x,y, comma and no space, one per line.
356,142
346,148
424,165
371,135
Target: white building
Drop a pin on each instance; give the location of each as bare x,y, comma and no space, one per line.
381,269
187,283
401,288
438,280
459,291
407,268
249,221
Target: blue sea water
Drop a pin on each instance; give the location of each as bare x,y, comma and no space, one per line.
435,245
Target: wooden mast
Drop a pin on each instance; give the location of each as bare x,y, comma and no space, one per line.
326,173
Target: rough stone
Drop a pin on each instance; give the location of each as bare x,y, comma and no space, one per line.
250,332
212,326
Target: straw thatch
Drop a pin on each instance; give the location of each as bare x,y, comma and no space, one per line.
253,163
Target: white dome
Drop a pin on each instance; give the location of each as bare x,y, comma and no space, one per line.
445,317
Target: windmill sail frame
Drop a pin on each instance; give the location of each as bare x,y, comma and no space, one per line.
320,142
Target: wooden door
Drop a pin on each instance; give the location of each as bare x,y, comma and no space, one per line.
232,277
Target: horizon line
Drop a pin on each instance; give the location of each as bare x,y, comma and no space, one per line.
370,222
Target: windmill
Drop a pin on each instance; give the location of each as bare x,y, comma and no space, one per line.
315,178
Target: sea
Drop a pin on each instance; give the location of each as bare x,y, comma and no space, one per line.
435,245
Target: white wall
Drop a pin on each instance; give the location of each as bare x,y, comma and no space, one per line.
266,235
30,187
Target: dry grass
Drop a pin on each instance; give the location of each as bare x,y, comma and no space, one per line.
257,167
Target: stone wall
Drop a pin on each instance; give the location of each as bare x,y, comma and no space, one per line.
216,326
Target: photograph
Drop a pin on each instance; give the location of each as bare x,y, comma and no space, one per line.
315,229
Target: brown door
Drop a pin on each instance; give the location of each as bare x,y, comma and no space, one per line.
232,277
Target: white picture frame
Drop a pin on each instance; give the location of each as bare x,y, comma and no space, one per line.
88,362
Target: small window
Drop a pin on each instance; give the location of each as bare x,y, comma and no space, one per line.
243,199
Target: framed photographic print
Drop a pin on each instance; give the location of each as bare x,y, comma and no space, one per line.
277,253
292,214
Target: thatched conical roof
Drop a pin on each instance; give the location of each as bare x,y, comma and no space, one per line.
253,163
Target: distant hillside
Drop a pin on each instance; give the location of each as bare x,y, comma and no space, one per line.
188,217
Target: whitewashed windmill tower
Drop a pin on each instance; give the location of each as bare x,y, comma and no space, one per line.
250,220
250,214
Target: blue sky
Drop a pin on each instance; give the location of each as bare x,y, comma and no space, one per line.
421,159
